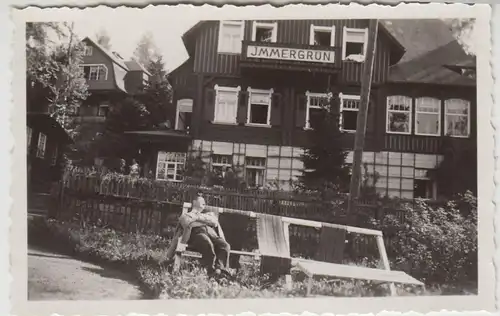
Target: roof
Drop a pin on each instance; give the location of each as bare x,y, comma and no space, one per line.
434,67
112,56
49,125
134,65
420,36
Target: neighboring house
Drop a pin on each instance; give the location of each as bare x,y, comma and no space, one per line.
249,88
110,78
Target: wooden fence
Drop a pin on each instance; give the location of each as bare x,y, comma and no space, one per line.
138,205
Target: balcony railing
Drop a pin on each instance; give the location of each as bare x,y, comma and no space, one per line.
290,56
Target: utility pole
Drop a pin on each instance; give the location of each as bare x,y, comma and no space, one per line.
359,140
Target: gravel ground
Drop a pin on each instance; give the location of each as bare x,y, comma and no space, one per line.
52,276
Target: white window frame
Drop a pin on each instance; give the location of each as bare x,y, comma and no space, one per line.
410,115
29,135
95,65
310,95
182,102
269,104
101,106
221,165
420,101
271,25
324,29
253,167
41,146
87,50
177,166
446,114
53,158
345,41
221,47
343,97
219,89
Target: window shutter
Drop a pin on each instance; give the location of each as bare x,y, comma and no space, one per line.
210,100
276,105
300,110
241,117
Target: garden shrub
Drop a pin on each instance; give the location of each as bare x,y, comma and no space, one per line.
436,244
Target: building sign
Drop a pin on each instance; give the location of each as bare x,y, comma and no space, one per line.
293,54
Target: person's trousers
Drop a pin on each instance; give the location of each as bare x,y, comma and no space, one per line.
214,250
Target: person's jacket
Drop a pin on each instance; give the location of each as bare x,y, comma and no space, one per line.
183,229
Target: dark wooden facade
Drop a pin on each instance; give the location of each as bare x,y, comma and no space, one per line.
196,78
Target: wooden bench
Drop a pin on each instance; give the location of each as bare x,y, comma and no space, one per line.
312,268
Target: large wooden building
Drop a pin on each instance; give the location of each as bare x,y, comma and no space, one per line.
249,88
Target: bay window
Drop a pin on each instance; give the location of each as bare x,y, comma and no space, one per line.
399,114
427,116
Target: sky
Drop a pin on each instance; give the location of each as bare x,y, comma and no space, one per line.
125,33
167,24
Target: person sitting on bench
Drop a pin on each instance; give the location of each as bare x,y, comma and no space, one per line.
198,231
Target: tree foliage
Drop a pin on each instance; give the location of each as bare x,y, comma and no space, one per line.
103,39
324,159
157,95
54,77
463,30
146,50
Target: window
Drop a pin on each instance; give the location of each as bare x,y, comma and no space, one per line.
170,166
255,169
316,103
428,116
349,109
457,119
230,36
87,50
94,72
423,187
259,106
29,135
184,112
42,143
53,159
220,163
398,114
264,32
322,35
354,45
103,110
226,104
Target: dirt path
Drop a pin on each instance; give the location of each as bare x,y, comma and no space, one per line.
53,276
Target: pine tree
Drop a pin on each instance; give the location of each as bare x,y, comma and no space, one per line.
324,159
146,50
157,95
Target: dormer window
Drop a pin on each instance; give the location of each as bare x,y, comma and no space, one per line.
87,50
230,37
265,32
354,44
322,35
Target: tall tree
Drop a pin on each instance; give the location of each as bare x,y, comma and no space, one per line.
102,37
464,30
53,72
325,168
146,50
157,94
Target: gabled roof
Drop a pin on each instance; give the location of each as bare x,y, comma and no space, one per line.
434,67
115,59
